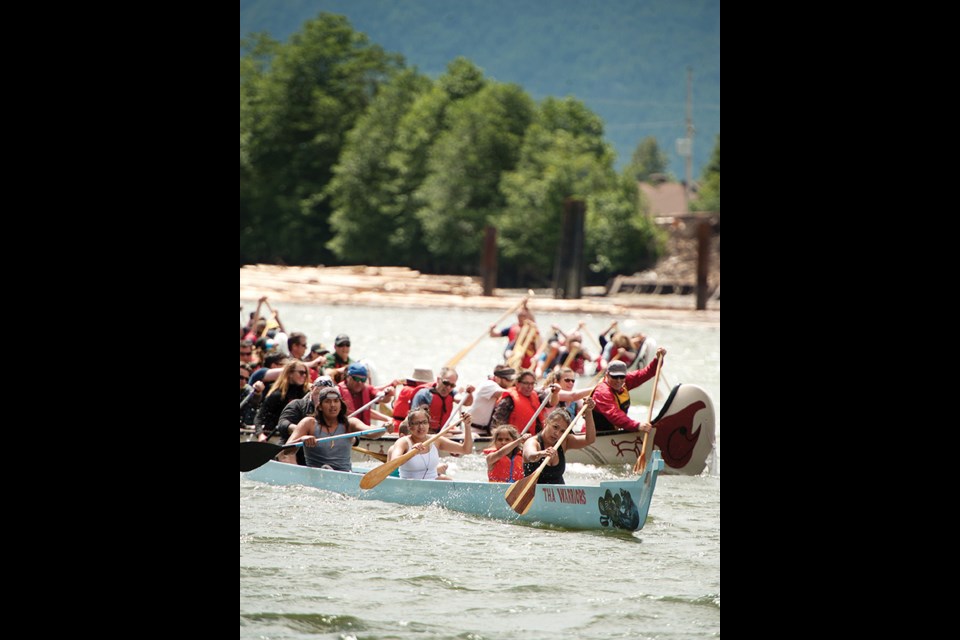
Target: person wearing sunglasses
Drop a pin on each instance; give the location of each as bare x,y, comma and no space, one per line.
487,395
293,384
440,397
612,395
518,404
570,399
357,392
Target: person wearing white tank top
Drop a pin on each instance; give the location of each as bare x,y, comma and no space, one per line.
426,465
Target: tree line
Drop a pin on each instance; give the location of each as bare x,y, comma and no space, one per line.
348,156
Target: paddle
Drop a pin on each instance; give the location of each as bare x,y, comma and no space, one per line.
382,457
641,463
375,400
521,493
376,475
463,352
539,409
256,454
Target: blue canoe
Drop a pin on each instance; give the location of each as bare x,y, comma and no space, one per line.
619,505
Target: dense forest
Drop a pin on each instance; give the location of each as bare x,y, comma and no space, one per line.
348,155
626,60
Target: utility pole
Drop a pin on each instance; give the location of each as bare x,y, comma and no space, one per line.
685,145
689,132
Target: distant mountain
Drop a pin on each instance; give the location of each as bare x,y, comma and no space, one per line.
625,59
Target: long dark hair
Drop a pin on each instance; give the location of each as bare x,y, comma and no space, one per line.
341,415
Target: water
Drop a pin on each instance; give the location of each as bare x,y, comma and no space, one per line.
319,565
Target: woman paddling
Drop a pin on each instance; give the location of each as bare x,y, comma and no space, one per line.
424,465
545,444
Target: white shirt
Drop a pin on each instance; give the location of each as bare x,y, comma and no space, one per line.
484,399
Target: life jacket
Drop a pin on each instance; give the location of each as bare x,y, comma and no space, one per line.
623,400
501,471
401,406
523,409
440,407
364,417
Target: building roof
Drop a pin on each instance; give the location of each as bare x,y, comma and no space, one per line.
665,198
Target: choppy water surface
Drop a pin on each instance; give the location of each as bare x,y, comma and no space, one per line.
319,565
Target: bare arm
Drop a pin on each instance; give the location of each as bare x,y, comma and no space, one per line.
493,456
576,394
589,436
399,448
465,447
533,453
355,424
303,432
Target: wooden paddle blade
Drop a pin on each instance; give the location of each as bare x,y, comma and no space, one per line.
521,493
382,457
377,475
256,454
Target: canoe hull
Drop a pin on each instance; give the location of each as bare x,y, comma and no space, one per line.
612,506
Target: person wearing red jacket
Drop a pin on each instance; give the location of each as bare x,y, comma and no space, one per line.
612,395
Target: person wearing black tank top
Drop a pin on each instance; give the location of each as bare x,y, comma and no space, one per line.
544,445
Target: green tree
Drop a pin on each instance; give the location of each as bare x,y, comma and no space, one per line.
708,198
647,159
622,238
304,97
461,191
563,156
367,227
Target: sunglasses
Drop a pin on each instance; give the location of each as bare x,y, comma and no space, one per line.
618,377
244,377
246,353
343,344
447,383
359,378
300,371
420,423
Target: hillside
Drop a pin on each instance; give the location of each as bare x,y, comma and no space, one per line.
625,59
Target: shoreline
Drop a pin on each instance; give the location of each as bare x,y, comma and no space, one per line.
406,288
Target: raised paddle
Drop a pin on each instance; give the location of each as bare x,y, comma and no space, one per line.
521,493
256,454
641,462
539,409
375,400
377,475
463,352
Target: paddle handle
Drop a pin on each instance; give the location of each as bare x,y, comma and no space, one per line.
648,437
463,352
539,409
352,434
375,400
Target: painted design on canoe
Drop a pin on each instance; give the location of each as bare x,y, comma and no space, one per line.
619,510
676,437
